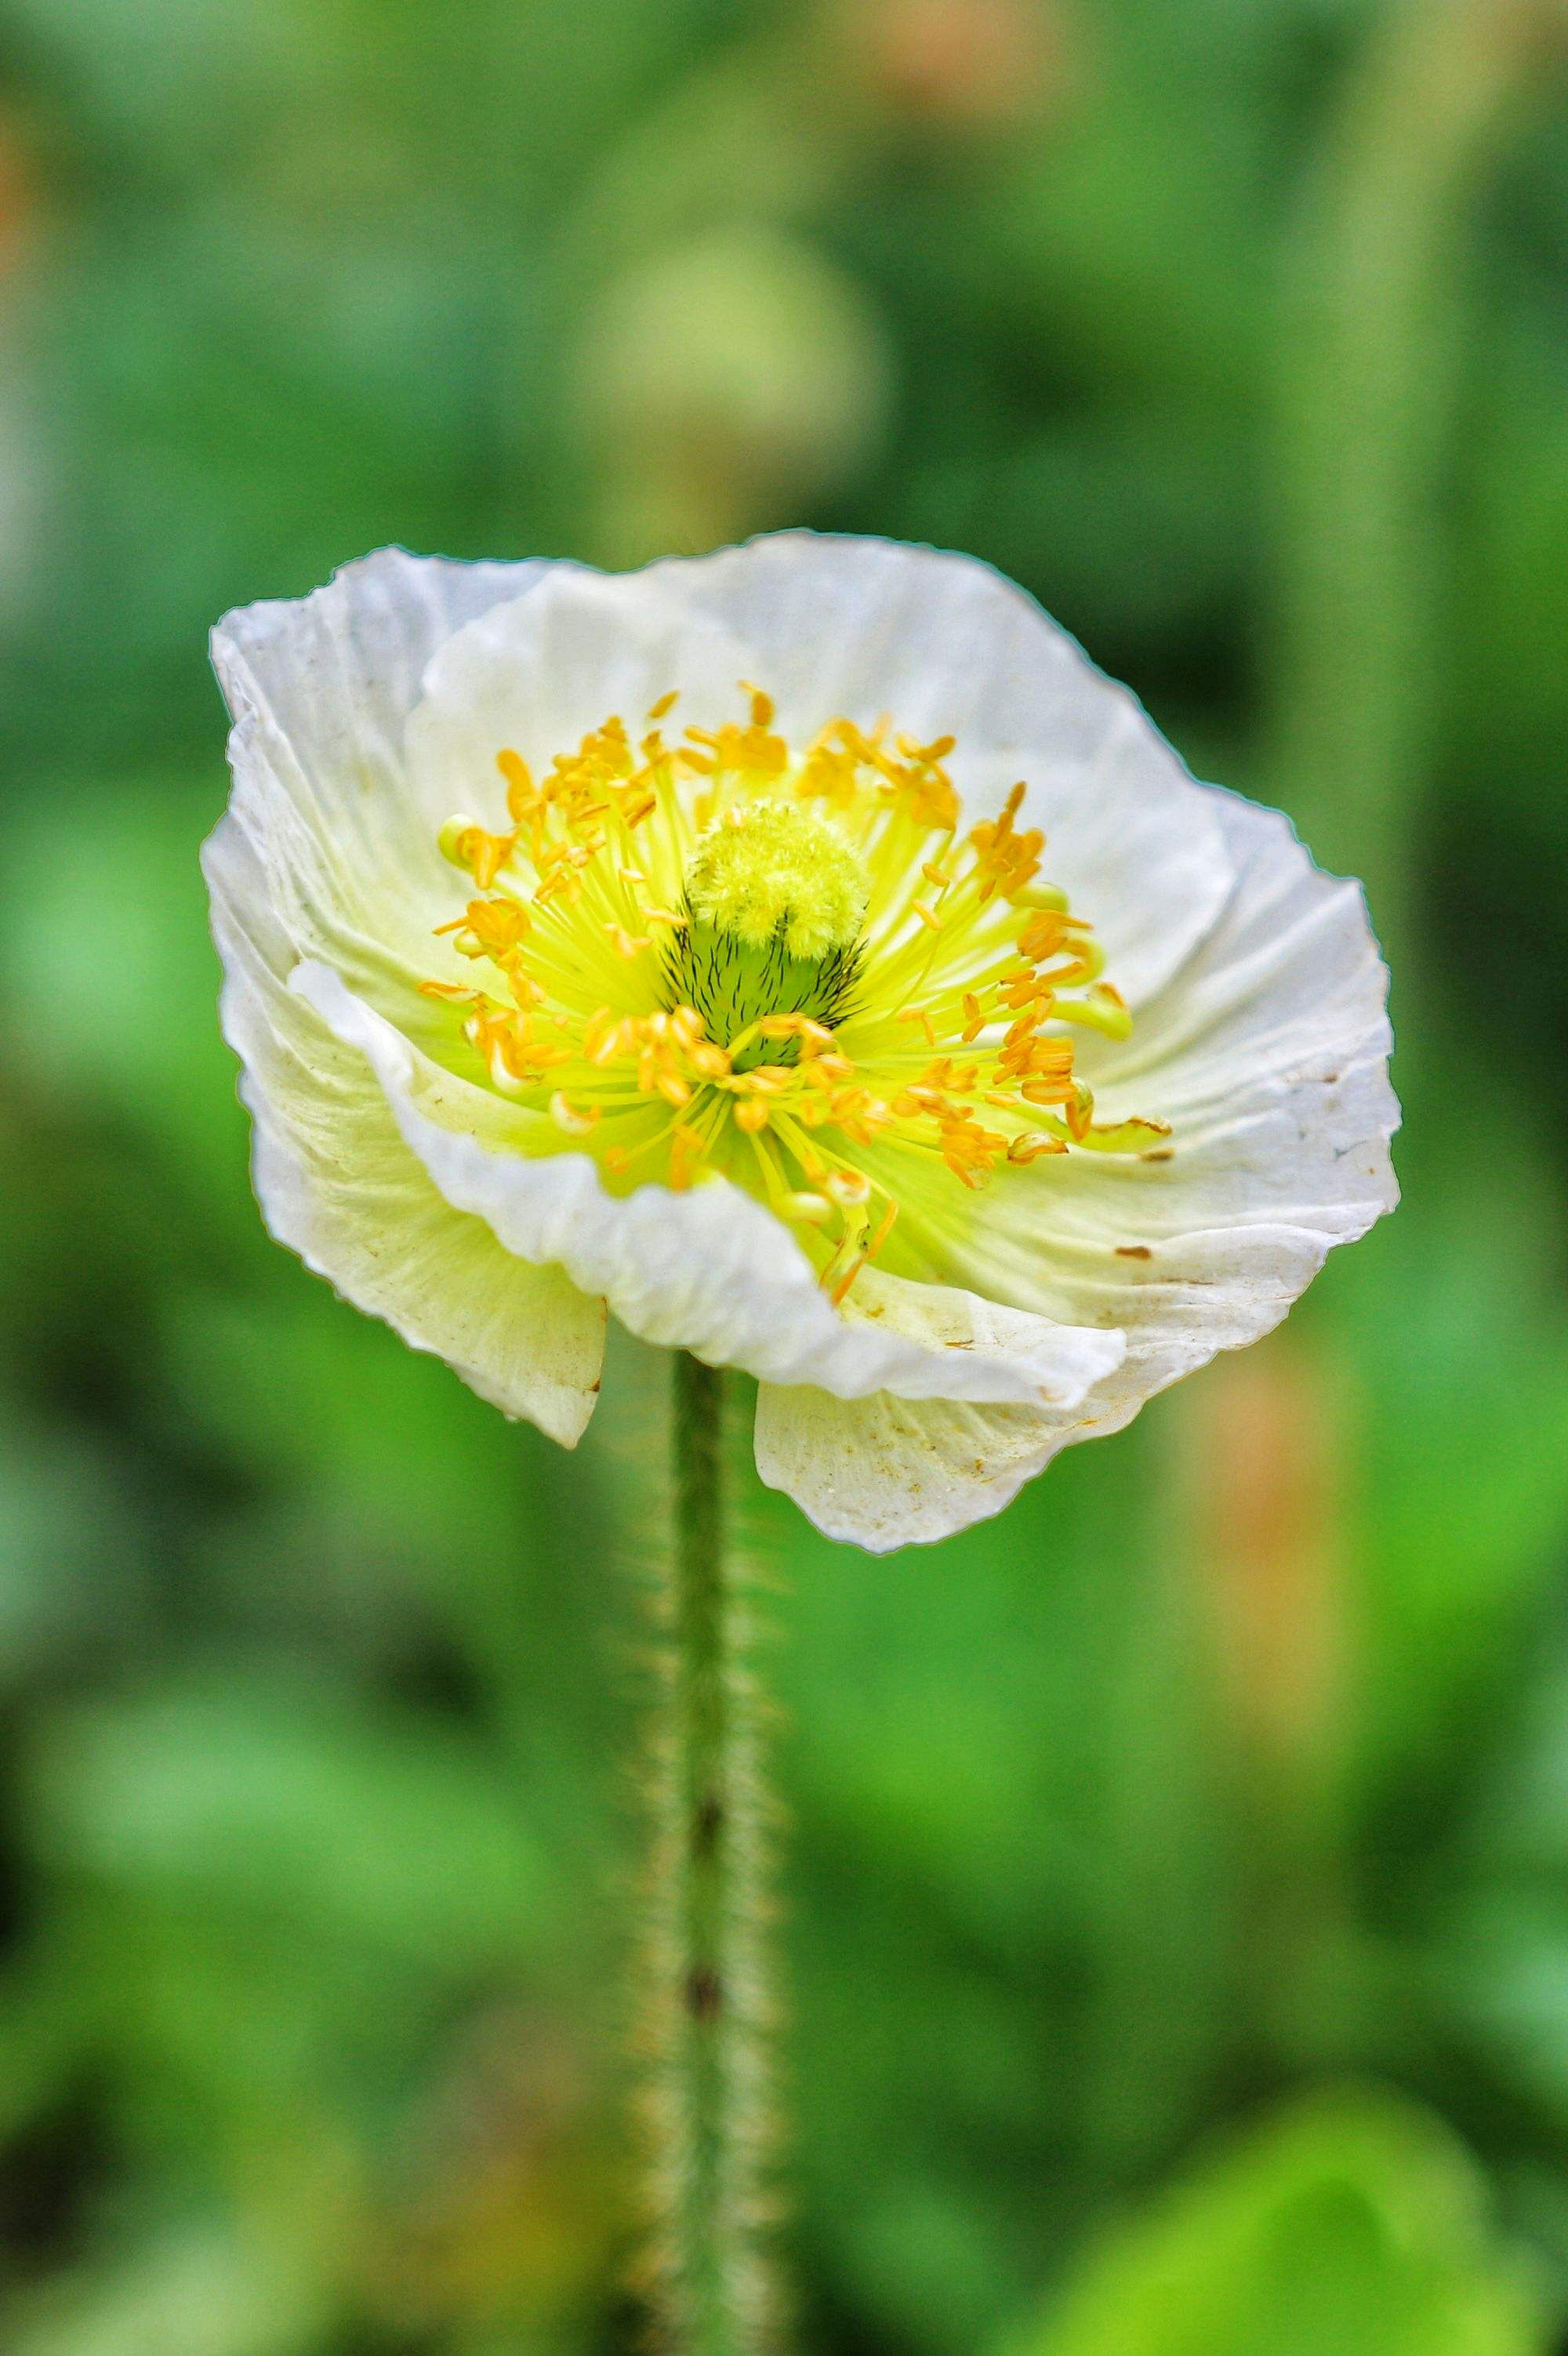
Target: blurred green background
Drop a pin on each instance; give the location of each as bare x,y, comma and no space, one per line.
1177,1894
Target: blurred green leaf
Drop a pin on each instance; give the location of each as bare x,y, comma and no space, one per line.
291,1800
1355,2225
197,2295
69,1573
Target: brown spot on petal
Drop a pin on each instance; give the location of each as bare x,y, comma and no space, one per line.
1134,1251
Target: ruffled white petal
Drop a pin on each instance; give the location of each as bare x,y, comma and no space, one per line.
321,689
710,1270
335,676
944,645
365,715
1056,1366
537,673
338,1185
887,1471
884,1472
328,852
1268,1053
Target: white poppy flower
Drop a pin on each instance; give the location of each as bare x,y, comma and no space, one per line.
909,1028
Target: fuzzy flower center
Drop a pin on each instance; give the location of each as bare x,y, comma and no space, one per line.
729,958
774,901
772,870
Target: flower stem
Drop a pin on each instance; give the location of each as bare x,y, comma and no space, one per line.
1368,389
706,2095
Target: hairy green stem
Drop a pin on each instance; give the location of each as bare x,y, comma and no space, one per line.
706,2109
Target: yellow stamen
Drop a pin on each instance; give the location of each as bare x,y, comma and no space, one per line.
906,987
572,1119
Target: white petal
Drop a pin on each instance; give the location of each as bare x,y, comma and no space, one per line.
945,645
337,674
709,1270
365,715
1268,1053
537,674
321,688
338,1185
1055,1366
884,1472
889,1471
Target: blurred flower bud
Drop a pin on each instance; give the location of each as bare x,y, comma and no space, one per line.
723,386
963,66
